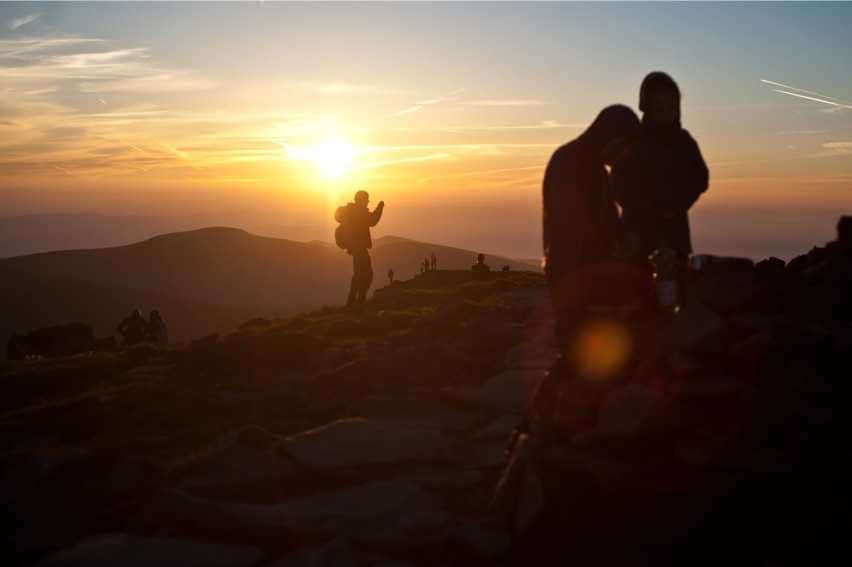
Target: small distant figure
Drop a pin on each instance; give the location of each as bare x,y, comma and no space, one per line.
426,264
132,328
390,276
155,329
480,270
356,219
434,260
506,269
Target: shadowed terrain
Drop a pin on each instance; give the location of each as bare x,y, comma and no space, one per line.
434,428
284,439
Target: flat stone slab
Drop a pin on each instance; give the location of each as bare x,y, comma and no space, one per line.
381,507
372,510
405,412
110,549
240,471
507,392
531,355
356,442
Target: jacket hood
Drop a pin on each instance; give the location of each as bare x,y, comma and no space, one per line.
613,122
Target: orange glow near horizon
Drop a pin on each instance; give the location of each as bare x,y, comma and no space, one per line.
283,110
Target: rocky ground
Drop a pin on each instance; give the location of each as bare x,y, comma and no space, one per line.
382,437
332,439
726,440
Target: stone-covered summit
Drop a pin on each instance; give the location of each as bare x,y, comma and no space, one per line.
381,437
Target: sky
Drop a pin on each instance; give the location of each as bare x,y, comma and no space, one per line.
448,111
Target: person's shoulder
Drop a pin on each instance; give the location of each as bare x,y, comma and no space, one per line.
565,150
686,138
564,157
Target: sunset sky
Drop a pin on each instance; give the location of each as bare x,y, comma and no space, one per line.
287,108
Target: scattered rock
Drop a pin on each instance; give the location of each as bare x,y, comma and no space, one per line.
508,392
367,443
242,473
109,549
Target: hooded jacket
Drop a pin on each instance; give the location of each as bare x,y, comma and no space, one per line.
580,221
656,183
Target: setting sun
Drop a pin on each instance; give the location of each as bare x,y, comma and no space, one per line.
333,156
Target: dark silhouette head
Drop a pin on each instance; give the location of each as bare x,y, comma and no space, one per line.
613,129
362,198
659,100
480,258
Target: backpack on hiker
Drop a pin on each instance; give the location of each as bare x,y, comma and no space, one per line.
341,233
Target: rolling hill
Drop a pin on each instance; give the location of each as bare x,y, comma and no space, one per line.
204,280
33,301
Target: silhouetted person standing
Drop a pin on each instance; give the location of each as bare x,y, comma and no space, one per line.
390,276
358,220
480,270
155,329
132,328
580,220
660,177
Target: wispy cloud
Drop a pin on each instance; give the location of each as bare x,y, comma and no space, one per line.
808,95
838,148
428,157
483,173
543,125
94,108
341,87
418,106
21,22
498,102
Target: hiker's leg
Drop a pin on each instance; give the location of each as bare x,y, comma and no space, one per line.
353,283
365,273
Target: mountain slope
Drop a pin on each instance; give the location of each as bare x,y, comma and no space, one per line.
231,267
32,301
221,266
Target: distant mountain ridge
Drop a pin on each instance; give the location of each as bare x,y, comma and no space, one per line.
229,271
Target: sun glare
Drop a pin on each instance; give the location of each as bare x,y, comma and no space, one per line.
333,156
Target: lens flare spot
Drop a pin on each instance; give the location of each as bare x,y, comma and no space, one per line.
603,348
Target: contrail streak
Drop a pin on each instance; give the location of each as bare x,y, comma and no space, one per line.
817,97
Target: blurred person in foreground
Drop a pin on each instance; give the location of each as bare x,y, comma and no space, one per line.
591,286
660,177
580,220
